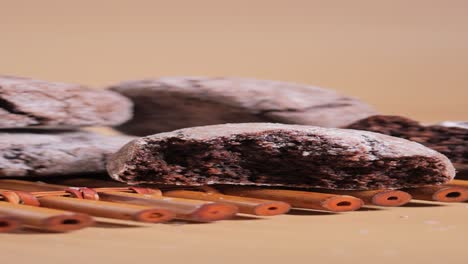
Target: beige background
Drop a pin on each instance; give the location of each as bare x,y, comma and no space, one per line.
404,57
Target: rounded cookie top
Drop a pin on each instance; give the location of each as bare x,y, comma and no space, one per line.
151,158
29,103
170,103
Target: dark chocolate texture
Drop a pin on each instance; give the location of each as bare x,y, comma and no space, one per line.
451,141
33,103
279,155
171,103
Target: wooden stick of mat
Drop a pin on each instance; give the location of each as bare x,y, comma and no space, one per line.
30,186
102,184
377,197
458,183
45,218
42,188
246,205
121,211
440,193
9,223
300,199
185,209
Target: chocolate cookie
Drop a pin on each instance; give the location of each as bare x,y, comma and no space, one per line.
461,124
279,155
29,103
450,141
53,154
171,103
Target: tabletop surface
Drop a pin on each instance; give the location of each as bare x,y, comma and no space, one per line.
416,233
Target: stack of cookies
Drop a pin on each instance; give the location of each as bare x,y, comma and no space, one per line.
41,127
201,131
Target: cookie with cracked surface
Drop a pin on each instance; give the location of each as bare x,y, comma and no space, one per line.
171,103
451,141
33,103
52,153
279,155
